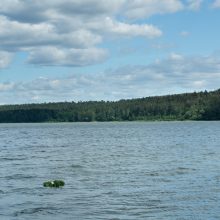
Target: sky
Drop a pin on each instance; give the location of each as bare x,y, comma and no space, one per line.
82,50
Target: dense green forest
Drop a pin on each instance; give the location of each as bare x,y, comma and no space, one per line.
189,106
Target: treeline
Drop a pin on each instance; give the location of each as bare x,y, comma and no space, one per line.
189,106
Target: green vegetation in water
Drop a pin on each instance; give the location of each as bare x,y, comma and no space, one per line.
188,106
54,183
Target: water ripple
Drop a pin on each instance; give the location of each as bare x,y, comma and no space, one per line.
112,171
31,211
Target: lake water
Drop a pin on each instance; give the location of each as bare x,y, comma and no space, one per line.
129,170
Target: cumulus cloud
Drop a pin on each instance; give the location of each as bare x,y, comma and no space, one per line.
76,27
174,74
73,29
34,11
129,30
66,57
15,35
138,9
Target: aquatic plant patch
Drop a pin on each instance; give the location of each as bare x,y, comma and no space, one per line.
54,183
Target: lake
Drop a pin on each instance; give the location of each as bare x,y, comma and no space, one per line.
118,170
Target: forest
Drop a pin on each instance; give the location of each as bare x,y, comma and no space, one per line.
188,106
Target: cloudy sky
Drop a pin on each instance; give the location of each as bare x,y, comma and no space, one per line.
72,50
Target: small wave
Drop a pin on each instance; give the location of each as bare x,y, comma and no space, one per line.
12,158
30,211
76,166
170,172
183,170
152,174
18,177
40,157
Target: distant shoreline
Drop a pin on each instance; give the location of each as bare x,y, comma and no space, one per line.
99,122
201,106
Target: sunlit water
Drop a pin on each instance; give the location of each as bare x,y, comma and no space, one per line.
136,170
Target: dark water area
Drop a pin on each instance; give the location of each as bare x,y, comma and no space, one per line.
129,170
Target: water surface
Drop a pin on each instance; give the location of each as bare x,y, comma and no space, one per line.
129,170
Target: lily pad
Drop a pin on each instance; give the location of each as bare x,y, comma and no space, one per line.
54,183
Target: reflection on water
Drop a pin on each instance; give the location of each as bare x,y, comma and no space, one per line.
129,170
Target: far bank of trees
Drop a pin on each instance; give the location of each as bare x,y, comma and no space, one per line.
189,106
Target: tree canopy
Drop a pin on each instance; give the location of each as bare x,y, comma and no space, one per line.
188,106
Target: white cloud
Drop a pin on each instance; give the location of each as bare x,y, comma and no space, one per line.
130,30
175,56
6,86
75,27
199,84
138,9
12,35
216,4
194,4
184,33
174,74
66,57
5,59
34,11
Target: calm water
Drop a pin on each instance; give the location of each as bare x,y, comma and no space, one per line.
160,170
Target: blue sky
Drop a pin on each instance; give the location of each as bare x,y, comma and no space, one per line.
72,50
